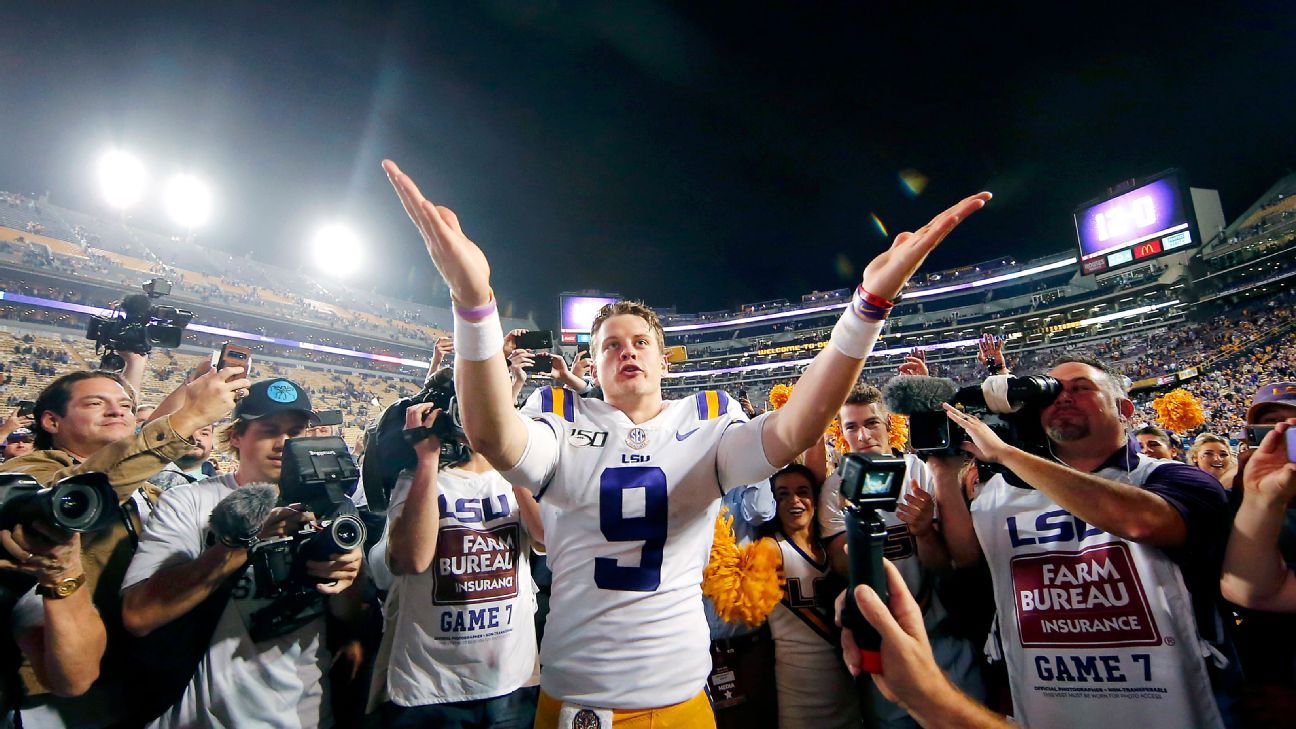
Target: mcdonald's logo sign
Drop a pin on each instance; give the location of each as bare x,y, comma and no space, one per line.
1149,248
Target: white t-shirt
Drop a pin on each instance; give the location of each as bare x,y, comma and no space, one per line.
465,629
1097,631
901,546
278,682
633,514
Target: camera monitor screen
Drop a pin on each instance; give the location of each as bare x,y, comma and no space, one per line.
876,483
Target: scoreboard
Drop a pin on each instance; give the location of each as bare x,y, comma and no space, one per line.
576,313
1155,218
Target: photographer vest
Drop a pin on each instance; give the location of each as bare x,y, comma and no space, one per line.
1098,631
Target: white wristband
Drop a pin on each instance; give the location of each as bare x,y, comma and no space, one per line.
478,341
853,336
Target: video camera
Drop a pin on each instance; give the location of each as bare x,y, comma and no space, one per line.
1009,405
869,484
391,448
136,325
320,474
85,502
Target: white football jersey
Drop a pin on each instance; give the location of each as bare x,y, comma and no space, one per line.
629,515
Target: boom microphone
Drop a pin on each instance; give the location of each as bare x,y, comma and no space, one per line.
238,518
914,394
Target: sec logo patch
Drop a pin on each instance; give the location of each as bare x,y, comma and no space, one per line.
586,719
637,438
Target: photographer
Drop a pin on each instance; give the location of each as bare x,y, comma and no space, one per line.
1101,547
85,422
180,563
462,535
55,624
915,540
910,677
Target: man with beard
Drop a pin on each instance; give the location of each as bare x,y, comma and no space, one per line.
189,467
1105,566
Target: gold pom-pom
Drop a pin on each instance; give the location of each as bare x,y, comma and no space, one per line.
744,583
833,434
779,395
1179,411
899,432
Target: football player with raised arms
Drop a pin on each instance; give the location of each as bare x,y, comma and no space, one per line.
634,482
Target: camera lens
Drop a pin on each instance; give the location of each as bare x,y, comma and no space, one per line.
348,532
76,507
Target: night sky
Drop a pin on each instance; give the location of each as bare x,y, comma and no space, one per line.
692,154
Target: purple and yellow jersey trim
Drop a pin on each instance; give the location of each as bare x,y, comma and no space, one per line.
559,401
711,404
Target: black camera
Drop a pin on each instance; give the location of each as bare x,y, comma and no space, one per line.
869,484
320,474
1009,405
391,447
82,503
137,325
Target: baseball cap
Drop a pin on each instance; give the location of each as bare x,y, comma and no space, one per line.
20,435
1281,393
268,397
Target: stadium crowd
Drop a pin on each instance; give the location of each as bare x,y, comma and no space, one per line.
185,542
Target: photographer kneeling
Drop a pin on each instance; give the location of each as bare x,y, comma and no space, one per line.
1105,564
277,680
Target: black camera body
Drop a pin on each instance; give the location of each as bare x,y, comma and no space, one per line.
1009,405
137,324
82,503
869,484
389,451
319,473
281,562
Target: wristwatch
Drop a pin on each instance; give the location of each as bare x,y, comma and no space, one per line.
62,588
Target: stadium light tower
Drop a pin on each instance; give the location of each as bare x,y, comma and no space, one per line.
122,179
188,201
337,250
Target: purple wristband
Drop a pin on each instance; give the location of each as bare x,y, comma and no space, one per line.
475,314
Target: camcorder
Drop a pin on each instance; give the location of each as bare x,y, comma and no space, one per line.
136,325
869,484
1009,405
391,447
85,502
319,473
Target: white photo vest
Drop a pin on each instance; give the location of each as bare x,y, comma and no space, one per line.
1097,631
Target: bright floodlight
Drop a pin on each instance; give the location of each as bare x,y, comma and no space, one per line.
337,250
121,178
188,201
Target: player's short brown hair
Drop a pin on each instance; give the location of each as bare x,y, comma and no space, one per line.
635,308
864,394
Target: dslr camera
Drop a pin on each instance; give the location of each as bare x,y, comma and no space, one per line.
136,325
391,448
321,474
1009,405
82,503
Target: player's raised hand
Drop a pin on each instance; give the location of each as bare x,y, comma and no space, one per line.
460,262
887,274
